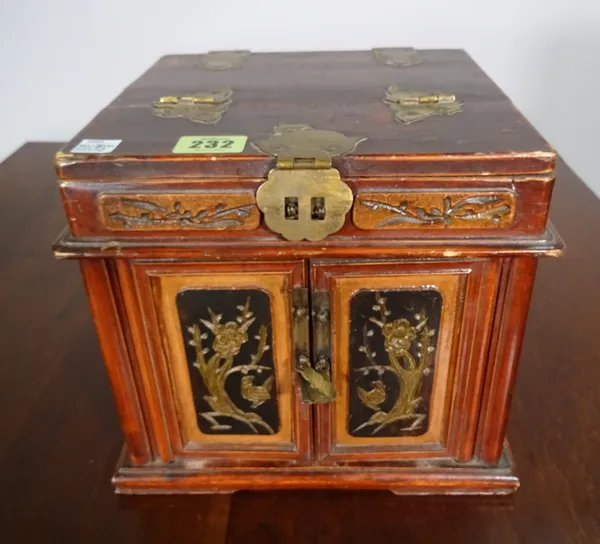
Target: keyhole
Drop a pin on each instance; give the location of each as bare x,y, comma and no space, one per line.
317,208
291,208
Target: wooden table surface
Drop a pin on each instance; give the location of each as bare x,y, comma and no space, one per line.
60,438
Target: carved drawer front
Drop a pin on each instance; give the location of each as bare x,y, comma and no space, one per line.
435,210
185,211
402,354
227,359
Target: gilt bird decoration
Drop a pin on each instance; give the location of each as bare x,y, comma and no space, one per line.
373,398
256,394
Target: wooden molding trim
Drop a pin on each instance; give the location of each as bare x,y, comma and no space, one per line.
509,327
119,366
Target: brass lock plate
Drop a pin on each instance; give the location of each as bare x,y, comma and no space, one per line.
304,203
304,198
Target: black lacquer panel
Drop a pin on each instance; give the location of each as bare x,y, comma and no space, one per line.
228,344
393,344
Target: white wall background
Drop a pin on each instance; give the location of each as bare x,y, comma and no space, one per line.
63,60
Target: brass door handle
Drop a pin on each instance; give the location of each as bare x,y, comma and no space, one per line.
315,381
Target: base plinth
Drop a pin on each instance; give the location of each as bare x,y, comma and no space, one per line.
425,477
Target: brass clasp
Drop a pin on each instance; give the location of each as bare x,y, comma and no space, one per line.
304,197
305,203
315,382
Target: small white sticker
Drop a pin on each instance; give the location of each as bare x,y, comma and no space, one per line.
96,146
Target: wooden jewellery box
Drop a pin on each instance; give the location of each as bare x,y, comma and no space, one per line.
310,270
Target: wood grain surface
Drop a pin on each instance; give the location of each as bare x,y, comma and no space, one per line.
330,90
342,91
60,437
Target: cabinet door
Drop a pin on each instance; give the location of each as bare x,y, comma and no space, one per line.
408,345
220,360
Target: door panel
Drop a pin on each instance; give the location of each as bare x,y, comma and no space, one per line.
402,357
225,351
228,337
392,362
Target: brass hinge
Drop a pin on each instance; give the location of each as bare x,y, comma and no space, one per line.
427,99
410,106
303,163
206,108
196,99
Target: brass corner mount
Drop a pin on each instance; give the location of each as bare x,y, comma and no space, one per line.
397,57
223,60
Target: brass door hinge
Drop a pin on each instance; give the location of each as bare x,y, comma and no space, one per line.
410,106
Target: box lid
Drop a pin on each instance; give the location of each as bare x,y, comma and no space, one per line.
382,144
358,94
